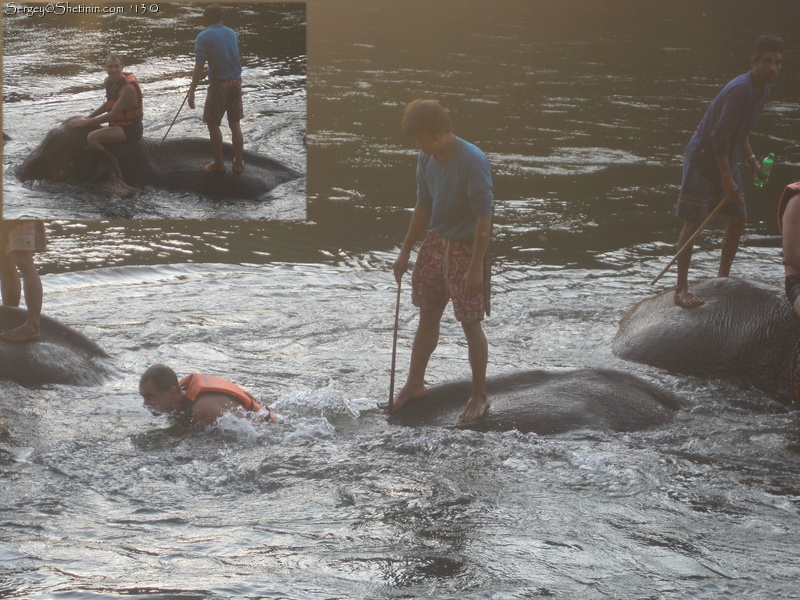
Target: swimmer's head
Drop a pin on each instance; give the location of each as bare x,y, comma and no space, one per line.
160,390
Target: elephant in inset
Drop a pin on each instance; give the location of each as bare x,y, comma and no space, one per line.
61,356
745,332
173,164
547,402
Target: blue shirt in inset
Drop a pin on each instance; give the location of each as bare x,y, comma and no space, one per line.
219,47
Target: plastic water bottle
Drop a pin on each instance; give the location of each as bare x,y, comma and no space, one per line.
766,166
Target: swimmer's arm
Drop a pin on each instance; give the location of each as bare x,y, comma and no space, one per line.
791,234
210,406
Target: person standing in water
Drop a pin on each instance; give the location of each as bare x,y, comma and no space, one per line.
218,46
789,225
710,171
454,206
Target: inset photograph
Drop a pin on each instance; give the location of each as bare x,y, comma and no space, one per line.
154,111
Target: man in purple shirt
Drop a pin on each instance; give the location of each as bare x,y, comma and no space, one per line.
710,171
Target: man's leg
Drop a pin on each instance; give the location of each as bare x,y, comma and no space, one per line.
30,330
425,341
683,297
237,139
10,284
218,166
730,243
478,359
99,139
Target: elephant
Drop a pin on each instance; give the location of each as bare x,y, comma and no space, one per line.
172,164
548,402
61,356
745,332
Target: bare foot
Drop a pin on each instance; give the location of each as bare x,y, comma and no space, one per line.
476,408
409,392
23,333
687,299
238,166
213,168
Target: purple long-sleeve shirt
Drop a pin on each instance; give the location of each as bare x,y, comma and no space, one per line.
726,124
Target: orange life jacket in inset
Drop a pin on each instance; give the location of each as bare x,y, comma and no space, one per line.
196,383
129,115
791,190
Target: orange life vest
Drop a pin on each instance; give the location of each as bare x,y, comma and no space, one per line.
791,190
129,115
196,383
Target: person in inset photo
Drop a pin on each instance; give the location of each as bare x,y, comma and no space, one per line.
19,242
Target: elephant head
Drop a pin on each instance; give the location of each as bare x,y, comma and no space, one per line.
63,156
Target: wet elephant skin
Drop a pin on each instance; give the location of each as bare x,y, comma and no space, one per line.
547,402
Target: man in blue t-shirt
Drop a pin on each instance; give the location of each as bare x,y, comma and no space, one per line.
218,46
710,171
454,205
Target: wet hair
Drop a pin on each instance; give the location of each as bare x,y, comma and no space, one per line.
212,14
426,116
112,56
767,43
161,376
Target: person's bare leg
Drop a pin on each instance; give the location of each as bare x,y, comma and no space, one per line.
99,139
10,283
31,329
478,404
218,166
683,297
425,341
730,243
237,139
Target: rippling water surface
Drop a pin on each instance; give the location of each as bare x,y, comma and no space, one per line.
584,109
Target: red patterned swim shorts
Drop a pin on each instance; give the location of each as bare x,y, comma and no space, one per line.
437,275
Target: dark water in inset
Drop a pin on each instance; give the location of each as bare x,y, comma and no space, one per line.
584,109
53,68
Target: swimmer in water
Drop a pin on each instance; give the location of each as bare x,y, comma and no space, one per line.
197,397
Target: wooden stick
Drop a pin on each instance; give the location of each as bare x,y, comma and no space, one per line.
688,243
394,346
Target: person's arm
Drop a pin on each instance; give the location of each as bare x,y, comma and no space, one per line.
127,97
791,234
420,219
197,76
750,157
210,406
98,111
473,279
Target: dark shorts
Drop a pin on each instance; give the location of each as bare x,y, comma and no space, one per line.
792,283
224,96
700,195
436,278
134,131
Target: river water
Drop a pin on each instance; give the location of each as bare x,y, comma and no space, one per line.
583,109
54,66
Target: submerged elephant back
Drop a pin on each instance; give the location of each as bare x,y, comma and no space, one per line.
745,331
548,402
62,356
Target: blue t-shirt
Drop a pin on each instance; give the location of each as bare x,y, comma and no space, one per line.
219,47
457,190
726,125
